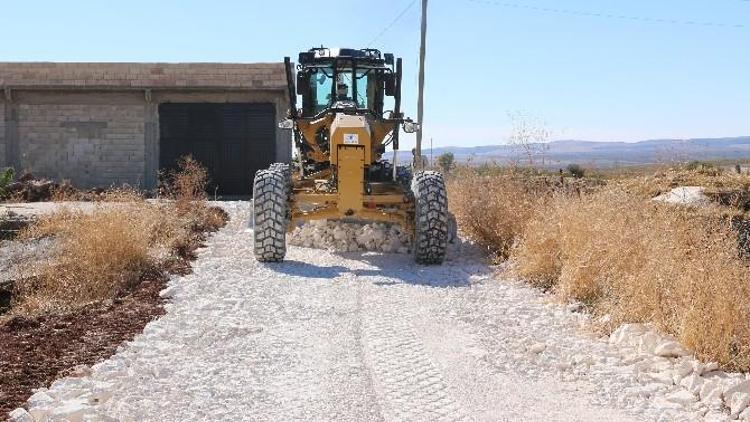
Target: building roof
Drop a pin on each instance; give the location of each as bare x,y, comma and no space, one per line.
40,75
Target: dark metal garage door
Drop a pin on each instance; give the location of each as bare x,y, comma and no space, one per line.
232,140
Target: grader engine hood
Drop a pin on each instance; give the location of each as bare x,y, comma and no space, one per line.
351,148
350,130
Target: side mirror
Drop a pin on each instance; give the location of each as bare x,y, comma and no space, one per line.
388,58
303,85
390,84
286,124
412,127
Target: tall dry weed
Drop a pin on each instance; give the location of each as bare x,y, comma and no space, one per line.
103,252
97,255
493,209
189,182
638,261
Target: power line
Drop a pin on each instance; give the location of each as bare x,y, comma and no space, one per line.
393,22
606,15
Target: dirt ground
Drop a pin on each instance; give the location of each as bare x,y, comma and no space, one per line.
35,351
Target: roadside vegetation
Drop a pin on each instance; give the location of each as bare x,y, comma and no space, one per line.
599,239
6,178
103,254
97,278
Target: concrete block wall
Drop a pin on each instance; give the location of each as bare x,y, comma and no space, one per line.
144,75
89,144
3,162
97,124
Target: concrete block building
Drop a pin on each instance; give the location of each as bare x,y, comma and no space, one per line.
102,124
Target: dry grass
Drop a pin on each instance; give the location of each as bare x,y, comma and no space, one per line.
187,185
493,208
105,253
98,256
625,257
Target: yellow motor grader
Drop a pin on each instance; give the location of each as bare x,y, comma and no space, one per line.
340,133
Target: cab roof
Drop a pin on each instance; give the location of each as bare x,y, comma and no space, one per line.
326,55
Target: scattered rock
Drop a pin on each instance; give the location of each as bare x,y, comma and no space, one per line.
670,349
686,195
742,387
70,410
692,383
100,393
682,397
664,377
710,390
40,399
20,415
169,292
683,369
648,342
624,334
537,348
738,403
715,416
80,371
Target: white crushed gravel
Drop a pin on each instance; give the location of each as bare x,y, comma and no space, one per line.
351,236
369,336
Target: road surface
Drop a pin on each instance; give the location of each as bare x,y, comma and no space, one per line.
356,337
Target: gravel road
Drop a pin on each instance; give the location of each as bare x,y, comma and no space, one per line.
353,337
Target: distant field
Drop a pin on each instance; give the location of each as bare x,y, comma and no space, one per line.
559,154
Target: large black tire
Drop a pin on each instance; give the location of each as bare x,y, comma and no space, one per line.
431,215
270,215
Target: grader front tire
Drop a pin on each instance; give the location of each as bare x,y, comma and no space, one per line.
431,215
286,170
270,215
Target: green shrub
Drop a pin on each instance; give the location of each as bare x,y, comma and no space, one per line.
6,177
576,170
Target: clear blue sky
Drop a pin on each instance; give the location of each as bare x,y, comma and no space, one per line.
593,78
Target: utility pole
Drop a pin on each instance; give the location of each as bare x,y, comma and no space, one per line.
420,99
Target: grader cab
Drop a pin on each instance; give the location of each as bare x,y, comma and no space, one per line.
341,132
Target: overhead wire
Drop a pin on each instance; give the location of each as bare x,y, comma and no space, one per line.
393,22
607,15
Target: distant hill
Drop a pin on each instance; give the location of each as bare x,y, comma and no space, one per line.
602,154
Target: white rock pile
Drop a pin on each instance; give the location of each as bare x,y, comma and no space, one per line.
685,195
342,236
671,376
68,399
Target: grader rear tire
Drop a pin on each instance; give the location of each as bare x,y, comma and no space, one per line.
431,215
270,215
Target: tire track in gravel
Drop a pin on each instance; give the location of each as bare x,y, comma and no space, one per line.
410,386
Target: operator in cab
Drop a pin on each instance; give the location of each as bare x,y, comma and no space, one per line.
342,92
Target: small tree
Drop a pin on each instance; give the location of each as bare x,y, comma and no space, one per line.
446,161
529,134
576,170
